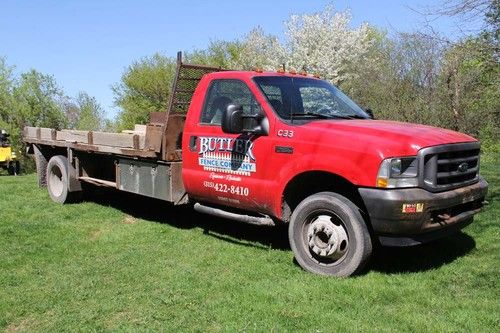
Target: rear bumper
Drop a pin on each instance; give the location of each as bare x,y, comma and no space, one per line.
404,217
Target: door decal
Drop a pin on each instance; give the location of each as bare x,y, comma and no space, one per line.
228,155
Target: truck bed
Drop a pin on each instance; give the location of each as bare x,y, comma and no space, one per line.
131,143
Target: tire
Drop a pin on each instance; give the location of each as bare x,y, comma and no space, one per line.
11,169
58,179
328,236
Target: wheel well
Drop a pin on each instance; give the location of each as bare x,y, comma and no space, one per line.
309,183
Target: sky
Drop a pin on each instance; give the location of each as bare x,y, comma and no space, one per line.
87,45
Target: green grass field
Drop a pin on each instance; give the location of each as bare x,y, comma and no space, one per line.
125,263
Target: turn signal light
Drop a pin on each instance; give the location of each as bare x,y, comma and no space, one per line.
382,182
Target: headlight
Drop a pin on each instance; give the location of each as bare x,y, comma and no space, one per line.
398,172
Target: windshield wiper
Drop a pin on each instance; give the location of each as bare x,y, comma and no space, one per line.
330,116
311,114
353,116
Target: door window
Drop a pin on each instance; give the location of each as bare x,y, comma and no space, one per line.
222,93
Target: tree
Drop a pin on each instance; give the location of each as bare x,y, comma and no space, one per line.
36,101
144,88
470,87
6,86
324,43
260,50
91,114
221,54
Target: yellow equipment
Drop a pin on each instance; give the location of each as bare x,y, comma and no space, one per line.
8,158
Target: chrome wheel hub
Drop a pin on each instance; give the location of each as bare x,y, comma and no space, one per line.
326,238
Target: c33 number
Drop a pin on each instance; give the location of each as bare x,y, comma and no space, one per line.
285,133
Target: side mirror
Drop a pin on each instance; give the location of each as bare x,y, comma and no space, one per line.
232,119
370,113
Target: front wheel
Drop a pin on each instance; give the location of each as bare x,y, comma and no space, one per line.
328,236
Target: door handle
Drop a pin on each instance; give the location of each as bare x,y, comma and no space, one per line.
192,142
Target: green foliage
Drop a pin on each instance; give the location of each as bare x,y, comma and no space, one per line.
91,117
144,88
470,88
221,54
35,99
120,262
6,85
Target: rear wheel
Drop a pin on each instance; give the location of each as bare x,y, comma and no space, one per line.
58,180
328,235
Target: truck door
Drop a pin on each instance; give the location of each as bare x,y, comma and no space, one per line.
223,168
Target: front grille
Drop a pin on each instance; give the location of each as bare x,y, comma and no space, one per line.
449,166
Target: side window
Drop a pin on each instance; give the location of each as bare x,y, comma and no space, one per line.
274,97
220,94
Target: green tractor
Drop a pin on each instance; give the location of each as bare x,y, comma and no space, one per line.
8,158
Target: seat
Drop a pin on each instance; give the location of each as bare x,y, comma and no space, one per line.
218,106
277,106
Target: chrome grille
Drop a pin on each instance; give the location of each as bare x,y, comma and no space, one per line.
449,166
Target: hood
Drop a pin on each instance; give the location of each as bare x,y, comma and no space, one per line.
389,138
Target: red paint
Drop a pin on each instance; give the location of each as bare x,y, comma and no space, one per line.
352,149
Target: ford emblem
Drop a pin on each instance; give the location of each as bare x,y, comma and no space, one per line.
463,167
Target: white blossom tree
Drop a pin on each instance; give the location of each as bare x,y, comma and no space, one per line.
321,43
261,50
325,43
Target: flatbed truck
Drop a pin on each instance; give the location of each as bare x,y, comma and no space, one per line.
280,147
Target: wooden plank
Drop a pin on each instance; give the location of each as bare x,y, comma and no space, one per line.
30,132
47,134
138,129
73,136
122,140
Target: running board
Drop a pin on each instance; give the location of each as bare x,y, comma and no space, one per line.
265,220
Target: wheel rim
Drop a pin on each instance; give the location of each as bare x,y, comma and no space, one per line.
326,238
56,181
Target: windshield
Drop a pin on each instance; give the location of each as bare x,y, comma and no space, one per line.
301,98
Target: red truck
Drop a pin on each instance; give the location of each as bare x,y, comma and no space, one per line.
273,148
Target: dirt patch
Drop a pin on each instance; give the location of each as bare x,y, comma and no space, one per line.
95,234
25,325
129,220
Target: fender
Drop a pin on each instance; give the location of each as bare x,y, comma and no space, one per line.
338,165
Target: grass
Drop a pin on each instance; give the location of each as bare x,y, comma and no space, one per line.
125,263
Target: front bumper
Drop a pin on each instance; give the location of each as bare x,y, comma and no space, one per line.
404,217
